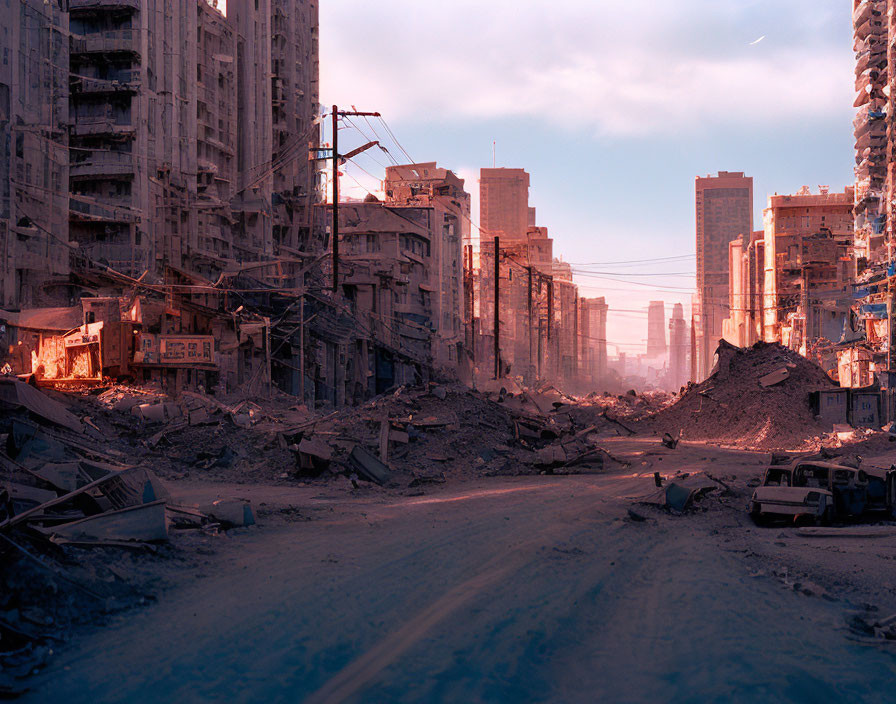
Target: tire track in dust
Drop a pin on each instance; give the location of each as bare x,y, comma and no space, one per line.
360,672
363,670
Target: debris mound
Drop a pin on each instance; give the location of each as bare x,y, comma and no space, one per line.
757,397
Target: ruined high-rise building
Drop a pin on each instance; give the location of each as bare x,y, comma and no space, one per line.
789,221
724,211
504,204
133,133
216,136
252,213
164,131
295,97
873,164
656,331
34,107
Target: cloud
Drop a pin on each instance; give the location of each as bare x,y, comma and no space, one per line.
665,68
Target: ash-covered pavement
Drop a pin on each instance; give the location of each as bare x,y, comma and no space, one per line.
536,588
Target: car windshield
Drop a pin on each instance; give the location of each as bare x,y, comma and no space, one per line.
775,476
811,476
843,476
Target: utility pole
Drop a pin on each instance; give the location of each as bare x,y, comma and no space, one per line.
531,365
267,353
538,372
335,228
336,157
497,299
302,346
693,349
547,352
575,339
891,352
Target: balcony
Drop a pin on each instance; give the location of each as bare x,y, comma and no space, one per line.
103,164
88,125
123,82
119,256
114,41
74,5
88,210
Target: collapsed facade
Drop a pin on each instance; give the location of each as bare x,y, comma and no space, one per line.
403,272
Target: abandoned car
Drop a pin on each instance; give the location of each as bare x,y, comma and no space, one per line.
822,491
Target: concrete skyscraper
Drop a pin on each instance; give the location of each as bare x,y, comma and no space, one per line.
656,330
678,348
724,211
504,203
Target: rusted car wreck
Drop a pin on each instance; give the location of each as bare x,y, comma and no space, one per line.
818,491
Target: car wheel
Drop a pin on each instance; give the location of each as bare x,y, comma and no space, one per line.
825,518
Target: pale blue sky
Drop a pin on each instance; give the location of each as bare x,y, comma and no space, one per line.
612,107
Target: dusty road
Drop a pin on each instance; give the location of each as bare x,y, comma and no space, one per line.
506,590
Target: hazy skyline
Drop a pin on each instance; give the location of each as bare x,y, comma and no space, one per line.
613,109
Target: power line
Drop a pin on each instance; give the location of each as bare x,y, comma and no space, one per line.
395,139
635,261
627,273
379,139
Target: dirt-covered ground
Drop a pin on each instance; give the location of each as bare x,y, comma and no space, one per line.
533,588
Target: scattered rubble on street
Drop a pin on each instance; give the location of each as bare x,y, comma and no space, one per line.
69,497
91,508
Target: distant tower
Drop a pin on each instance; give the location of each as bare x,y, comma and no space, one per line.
678,348
656,330
504,203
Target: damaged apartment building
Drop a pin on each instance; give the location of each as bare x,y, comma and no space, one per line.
402,274
865,357
792,282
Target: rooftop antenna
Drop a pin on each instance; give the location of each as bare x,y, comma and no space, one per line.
495,154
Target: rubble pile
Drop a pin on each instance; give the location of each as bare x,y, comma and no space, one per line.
77,516
198,436
408,437
617,414
426,435
756,397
